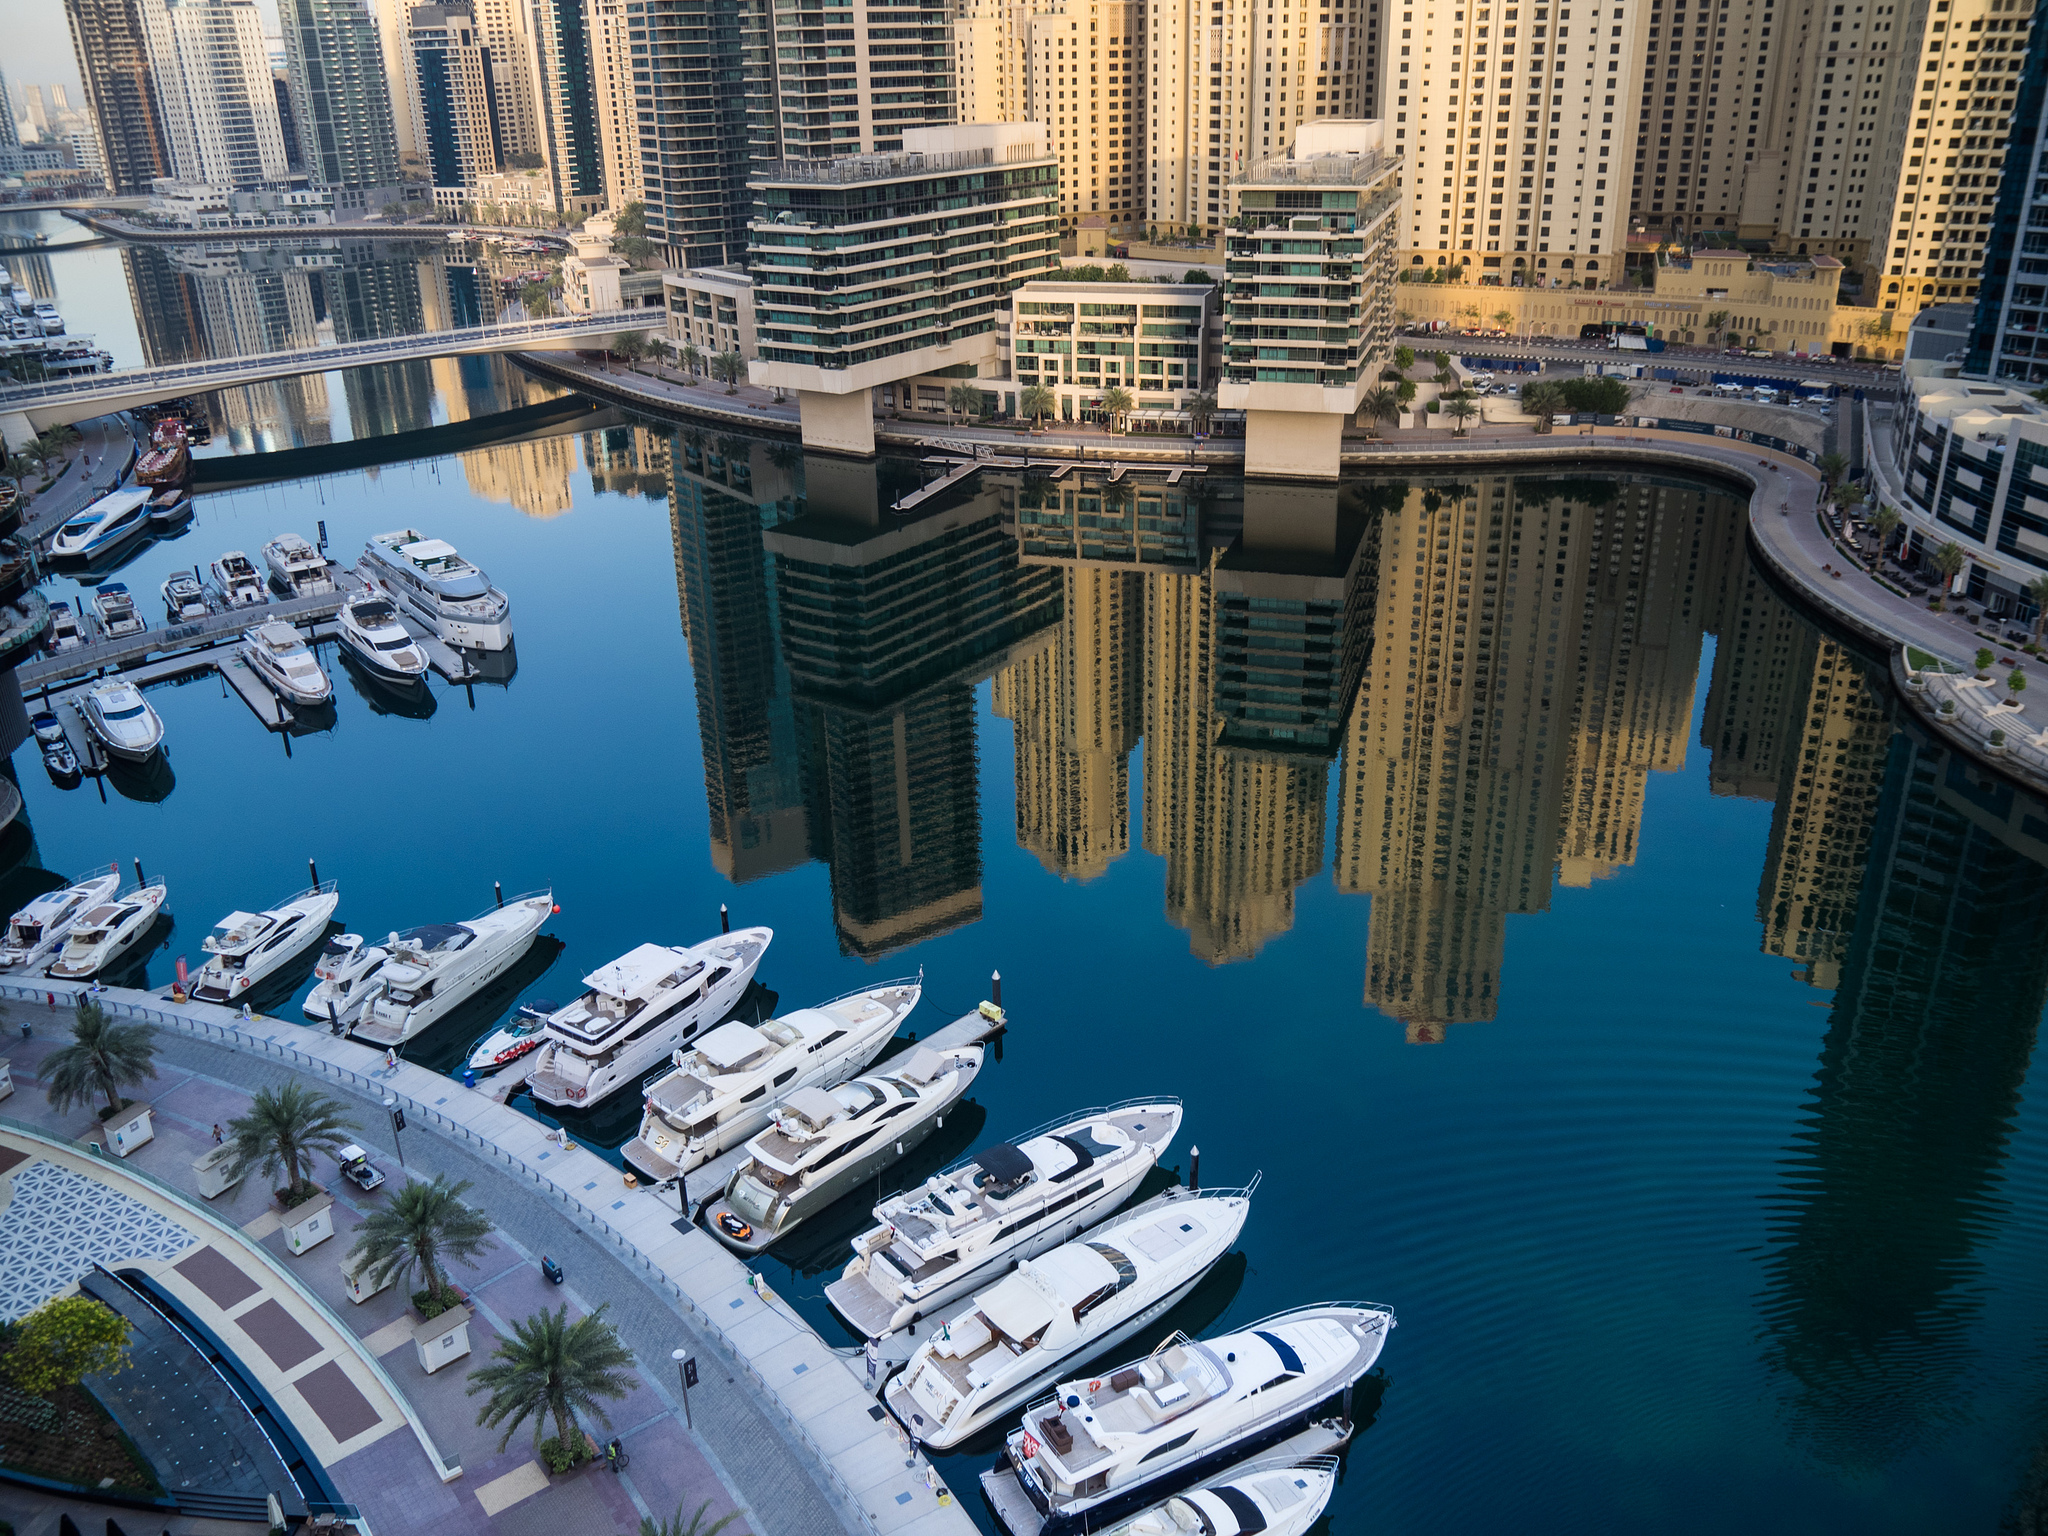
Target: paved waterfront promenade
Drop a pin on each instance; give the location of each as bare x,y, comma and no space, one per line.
782,1431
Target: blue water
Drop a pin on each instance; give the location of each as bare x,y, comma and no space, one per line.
1696,1214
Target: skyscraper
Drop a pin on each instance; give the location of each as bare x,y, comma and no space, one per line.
113,60
2003,338
565,93
10,135
453,125
342,101
502,28
213,83
612,95
704,117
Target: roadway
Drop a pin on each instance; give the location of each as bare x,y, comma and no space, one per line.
1844,372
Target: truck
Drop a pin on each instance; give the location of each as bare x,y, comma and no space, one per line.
1614,370
1625,341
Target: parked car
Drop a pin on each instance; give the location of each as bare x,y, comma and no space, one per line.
357,1168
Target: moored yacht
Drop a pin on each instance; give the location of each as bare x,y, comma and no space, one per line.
726,1085
346,977
296,566
184,597
368,629
103,934
34,932
637,1010
1014,1200
512,1039
1277,1496
245,947
122,720
1081,1298
112,520
1100,1448
434,584
432,970
822,1143
240,583
276,653
65,632
115,605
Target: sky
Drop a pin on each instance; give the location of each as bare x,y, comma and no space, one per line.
39,47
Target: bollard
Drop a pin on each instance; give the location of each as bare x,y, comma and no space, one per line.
313,870
498,890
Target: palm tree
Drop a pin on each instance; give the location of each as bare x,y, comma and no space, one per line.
1884,522
630,345
963,400
284,1129
416,1229
729,368
1832,467
1117,404
103,1058
1461,410
1380,404
692,357
675,1527
1716,323
1202,410
549,1369
1543,401
1038,402
2037,589
1948,560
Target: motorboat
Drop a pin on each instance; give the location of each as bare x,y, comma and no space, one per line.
1101,1448
104,933
170,506
66,634
1012,1201
61,763
822,1143
370,631
512,1039
637,1010
726,1084
115,605
1280,1495
348,974
239,582
1077,1300
34,932
185,598
121,720
430,581
277,654
296,566
245,947
49,730
164,466
109,522
433,969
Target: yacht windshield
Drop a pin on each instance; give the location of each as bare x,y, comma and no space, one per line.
393,645
125,714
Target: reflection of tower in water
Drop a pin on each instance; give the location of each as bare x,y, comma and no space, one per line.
1872,1275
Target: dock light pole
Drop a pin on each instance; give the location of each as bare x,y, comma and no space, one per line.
397,1125
724,919
686,1369
995,988
1194,1170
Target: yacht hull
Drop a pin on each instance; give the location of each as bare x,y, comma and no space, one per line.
370,659
126,752
123,939
451,993
217,984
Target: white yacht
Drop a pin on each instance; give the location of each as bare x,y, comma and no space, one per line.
113,519
296,566
368,629
512,1039
967,1224
240,583
34,932
121,719
347,975
184,598
245,947
277,654
1078,1300
726,1085
822,1143
434,969
1104,1447
637,1010
1278,1496
115,605
65,631
103,934
442,590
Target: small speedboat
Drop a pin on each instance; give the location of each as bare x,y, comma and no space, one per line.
120,718
34,932
169,507
61,763
48,728
107,523
296,566
245,947
370,631
115,605
512,1039
240,583
185,597
103,934
66,634
346,979
277,654
1279,1495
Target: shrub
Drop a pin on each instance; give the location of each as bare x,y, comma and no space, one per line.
2017,683
555,1458
1983,658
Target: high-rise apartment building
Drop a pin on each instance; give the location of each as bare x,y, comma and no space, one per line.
113,60
611,74
565,94
2005,337
1515,124
705,117
10,135
501,27
341,100
453,125
212,72
890,71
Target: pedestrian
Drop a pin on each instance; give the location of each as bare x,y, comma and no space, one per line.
216,1133
391,1061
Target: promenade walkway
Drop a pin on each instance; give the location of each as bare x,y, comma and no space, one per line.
105,449
779,1414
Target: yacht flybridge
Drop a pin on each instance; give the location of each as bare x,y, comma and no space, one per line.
34,932
434,584
823,1143
637,1010
245,947
276,653
432,969
1080,1299
296,566
1014,1200
346,978
1101,1448
240,583
725,1086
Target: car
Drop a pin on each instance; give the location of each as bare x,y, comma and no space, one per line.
357,1168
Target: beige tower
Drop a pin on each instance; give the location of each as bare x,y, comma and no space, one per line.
611,80
502,24
1515,120
1750,727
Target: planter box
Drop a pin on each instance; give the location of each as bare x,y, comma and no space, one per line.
130,1129
216,1171
442,1340
311,1224
358,1284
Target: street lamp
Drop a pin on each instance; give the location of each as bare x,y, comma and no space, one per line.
686,1369
397,1125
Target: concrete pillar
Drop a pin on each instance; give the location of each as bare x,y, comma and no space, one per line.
1295,445
838,423
16,430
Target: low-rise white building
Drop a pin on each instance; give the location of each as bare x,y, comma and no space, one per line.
198,205
1079,339
712,309
591,277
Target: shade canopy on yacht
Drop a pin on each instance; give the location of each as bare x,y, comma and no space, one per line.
638,970
815,1105
428,549
1003,1163
1016,1307
729,1045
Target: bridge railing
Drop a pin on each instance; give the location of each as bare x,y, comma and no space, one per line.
344,355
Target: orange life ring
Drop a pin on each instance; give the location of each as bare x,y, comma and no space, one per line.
1095,1386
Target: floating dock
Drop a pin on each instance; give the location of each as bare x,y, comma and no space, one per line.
958,469
275,714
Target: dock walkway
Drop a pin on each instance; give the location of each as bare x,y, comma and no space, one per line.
882,1488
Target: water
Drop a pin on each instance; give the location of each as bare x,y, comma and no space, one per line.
1635,1005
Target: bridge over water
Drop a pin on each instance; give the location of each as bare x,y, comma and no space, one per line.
27,409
